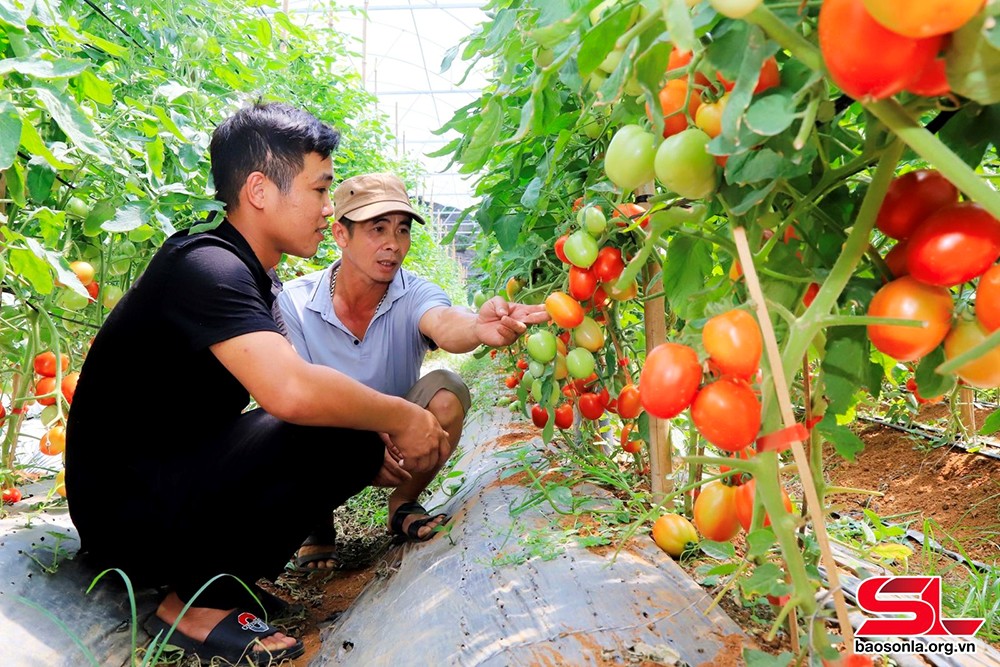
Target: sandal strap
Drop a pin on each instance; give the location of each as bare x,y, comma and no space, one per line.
322,535
403,511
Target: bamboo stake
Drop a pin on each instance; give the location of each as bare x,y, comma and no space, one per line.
788,418
967,412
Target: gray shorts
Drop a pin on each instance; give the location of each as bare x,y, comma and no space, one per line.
424,389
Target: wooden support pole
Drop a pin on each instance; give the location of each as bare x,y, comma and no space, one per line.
967,412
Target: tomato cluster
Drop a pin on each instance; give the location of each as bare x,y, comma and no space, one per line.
874,49
941,243
53,442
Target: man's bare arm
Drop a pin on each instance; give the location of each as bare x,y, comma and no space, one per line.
497,323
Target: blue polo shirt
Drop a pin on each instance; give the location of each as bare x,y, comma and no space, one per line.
388,358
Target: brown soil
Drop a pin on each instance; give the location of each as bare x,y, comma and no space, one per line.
954,491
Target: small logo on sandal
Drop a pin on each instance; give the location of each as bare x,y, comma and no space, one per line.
250,622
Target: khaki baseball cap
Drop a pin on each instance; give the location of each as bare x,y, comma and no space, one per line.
368,196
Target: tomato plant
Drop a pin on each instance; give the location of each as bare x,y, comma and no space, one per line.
560,250
564,416
744,499
629,402
683,164
669,380
10,495
674,534
727,413
609,264
589,335
539,416
591,406
582,283
45,385
541,346
733,341
678,103
908,299
715,512
581,249
53,442
580,363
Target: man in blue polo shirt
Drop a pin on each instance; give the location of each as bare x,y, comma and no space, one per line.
374,321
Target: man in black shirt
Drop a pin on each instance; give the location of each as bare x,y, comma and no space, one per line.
202,487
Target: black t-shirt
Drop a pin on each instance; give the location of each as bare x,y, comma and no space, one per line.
151,390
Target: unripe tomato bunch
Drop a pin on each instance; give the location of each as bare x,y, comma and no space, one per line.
874,49
942,244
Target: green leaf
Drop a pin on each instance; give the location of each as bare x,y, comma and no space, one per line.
892,551
484,137
971,130
71,119
127,218
10,134
34,144
718,550
930,383
992,424
58,264
40,180
973,58
599,41
101,212
767,165
507,228
678,20
759,542
561,497
763,579
32,268
154,156
844,441
15,16
755,658
108,47
530,197
263,32
689,263
96,89
722,569
844,363
550,427
771,115
35,67
51,224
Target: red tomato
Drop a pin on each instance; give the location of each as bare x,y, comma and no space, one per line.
631,212
727,414
983,372
672,102
539,416
10,495
988,299
609,264
45,363
770,77
850,660
69,385
709,116
810,294
715,512
910,199
605,397
744,498
45,385
733,341
3,415
933,81
864,59
896,259
591,406
911,385
679,59
924,18
512,381
601,298
669,380
564,310
560,253
953,245
564,415
629,402
522,363
908,299
582,283
93,289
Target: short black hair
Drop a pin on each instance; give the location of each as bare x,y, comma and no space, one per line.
272,138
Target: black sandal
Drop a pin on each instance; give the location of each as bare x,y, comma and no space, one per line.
412,533
321,536
233,639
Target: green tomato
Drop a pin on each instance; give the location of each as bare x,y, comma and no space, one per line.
541,347
596,80
611,60
112,295
580,363
684,166
3,267
70,300
77,208
526,381
769,220
581,249
536,368
543,57
49,414
479,299
628,162
591,219
632,86
536,391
